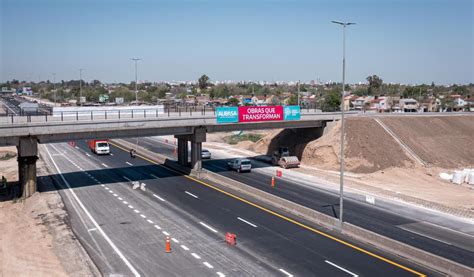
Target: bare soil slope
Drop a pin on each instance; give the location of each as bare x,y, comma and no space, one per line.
446,142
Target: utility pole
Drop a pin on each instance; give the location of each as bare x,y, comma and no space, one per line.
299,92
54,87
341,189
136,79
80,86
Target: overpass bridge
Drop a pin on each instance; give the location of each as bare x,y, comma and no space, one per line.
26,132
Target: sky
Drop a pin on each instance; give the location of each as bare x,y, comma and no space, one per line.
401,41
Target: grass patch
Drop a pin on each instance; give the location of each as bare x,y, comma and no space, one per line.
234,139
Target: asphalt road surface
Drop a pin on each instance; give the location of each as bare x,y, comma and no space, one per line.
124,227
452,245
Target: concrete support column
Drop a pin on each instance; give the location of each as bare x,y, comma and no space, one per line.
196,161
182,151
27,156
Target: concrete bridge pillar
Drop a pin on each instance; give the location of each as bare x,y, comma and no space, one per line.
27,156
182,150
197,139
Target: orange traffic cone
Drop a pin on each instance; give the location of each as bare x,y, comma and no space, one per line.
168,245
273,182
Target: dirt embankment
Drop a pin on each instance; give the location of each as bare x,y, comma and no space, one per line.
35,239
446,142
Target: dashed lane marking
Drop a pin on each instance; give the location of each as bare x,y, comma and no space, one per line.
175,240
341,268
196,256
156,196
105,165
130,164
208,265
188,193
166,233
157,227
286,272
149,221
208,227
185,247
249,223
128,179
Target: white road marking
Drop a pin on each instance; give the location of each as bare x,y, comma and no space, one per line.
102,185
341,268
149,221
154,195
184,247
120,198
130,206
187,192
105,165
208,265
208,227
136,211
196,256
76,147
175,240
111,191
220,274
109,241
92,229
111,154
126,178
87,154
423,235
129,163
154,176
142,215
286,272
106,188
125,202
166,233
157,227
249,223
115,195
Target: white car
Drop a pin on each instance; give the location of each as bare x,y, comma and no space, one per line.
205,154
240,165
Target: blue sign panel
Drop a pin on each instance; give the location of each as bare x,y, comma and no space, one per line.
292,112
227,114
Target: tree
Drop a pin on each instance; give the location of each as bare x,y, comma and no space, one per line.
233,101
375,83
203,81
292,100
332,101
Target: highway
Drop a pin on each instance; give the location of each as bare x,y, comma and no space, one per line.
124,228
452,245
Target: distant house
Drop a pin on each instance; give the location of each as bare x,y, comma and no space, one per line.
408,105
470,104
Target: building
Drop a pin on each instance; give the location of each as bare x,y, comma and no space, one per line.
408,105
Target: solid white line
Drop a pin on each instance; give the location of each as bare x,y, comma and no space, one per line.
423,235
220,274
128,163
126,178
154,176
92,229
208,227
341,268
451,230
157,227
187,192
109,241
166,233
286,272
251,224
149,221
142,215
159,197
184,247
105,165
196,256
175,240
208,265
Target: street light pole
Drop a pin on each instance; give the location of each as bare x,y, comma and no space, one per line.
341,189
136,79
80,86
54,87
